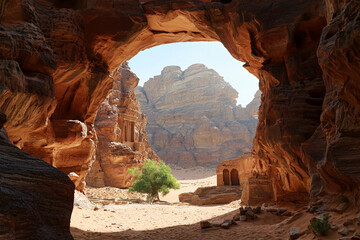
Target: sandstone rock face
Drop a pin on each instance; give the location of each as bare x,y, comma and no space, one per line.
56,58
193,117
34,195
337,159
120,127
212,195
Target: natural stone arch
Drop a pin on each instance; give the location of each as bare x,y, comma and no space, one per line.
72,54
226,177
234,177
107,37
268,48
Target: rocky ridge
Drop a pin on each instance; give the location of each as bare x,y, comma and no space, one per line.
193,119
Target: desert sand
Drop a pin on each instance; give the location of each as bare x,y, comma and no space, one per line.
173,220
190,179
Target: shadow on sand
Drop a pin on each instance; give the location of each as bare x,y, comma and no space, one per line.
261,229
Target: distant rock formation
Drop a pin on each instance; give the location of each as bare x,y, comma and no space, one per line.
193,119
253,106
120,127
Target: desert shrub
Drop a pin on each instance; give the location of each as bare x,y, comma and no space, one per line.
152,178
321,226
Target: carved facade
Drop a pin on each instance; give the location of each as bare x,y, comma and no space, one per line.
120,127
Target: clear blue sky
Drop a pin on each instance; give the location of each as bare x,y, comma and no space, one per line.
150,62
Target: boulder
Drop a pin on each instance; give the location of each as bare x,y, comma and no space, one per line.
343,231
205,224
212,195
295,233
226,224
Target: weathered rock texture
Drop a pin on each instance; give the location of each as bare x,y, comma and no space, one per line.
36,198
212,195
334,164
56,57
120,127
193,117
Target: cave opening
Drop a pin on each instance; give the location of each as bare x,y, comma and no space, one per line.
200,107
74,67
184,93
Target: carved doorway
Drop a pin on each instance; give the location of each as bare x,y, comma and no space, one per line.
235,177
226,177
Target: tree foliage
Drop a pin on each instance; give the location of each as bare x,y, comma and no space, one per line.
321,226
153,177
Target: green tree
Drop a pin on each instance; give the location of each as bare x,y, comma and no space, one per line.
153,177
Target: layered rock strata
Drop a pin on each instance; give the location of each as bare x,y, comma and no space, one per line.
56,57
120,127
36,199
332,152
193,117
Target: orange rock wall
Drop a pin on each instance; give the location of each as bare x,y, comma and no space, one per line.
335,164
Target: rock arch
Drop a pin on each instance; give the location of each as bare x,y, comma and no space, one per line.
57,57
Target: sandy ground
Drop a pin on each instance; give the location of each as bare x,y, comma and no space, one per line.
181,221
190,180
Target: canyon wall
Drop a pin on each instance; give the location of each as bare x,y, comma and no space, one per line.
120,128
333,150
56,58
193,119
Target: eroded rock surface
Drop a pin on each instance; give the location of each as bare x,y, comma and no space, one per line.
212,195
336,160
193,117
36,199
120,127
